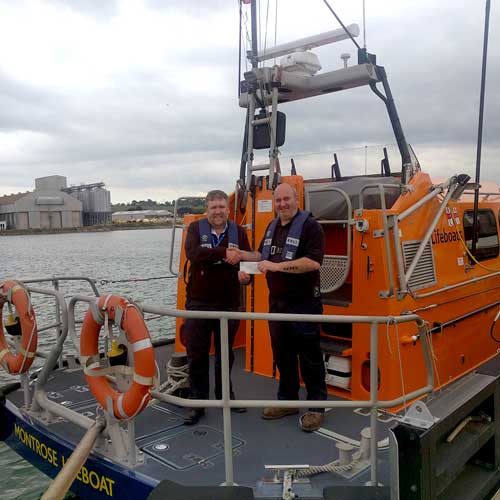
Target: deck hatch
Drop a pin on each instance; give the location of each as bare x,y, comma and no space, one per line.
424,275
193,447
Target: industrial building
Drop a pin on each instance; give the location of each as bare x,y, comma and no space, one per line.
96,202
52,205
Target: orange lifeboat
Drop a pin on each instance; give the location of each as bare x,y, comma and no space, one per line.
129,403
17,295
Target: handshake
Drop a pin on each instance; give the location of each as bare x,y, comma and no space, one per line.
233,257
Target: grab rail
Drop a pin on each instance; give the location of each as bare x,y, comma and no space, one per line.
338,282
67,326
381,188
226,403
61,324
404,276
57,279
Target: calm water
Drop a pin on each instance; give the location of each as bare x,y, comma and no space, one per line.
115,255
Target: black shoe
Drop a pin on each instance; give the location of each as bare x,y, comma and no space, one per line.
238,410
194,416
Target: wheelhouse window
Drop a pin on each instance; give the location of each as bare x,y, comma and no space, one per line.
487,242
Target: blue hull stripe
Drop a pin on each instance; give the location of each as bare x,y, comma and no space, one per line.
99,479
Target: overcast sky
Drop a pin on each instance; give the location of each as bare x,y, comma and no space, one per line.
142,94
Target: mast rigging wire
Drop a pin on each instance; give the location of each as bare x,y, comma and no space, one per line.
266,27
275,25
341,24
364,25
259,11
239,50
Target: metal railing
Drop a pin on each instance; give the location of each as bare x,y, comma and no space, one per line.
226,403
349,222
391,223
56,280
67,325
385,223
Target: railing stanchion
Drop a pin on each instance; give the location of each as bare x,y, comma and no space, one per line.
55,282
226,410
373,399
26,388
66,326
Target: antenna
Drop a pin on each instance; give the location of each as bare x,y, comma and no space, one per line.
341,23
309,42
364,25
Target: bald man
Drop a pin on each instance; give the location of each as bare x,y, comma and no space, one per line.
291,254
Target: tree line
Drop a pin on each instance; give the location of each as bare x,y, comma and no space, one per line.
192,206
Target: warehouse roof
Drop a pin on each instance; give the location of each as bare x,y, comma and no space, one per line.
12,198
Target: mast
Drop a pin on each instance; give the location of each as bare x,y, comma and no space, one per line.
253,59
404,149
408,167
480,129
253,7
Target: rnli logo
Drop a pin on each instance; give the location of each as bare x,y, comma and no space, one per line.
204,238
452,217
449,217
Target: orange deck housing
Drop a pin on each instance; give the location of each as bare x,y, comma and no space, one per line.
457,306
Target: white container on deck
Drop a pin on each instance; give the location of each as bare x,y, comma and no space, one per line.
338,370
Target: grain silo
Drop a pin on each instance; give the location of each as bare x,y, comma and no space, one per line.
96,201
100,205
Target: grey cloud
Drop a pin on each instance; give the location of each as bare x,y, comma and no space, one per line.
102,10
195,8
146,131
25,107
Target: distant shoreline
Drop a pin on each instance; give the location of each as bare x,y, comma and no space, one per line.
85,229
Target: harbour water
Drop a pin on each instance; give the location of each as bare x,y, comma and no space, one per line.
115,259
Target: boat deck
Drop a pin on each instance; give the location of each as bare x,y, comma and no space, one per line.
194,455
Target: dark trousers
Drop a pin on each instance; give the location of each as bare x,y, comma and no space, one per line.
292,340
198,336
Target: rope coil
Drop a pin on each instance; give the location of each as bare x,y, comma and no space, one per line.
330,467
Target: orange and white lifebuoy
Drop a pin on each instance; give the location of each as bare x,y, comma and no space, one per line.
131,402
17,295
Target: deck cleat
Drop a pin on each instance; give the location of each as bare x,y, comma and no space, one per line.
118,354
12,325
